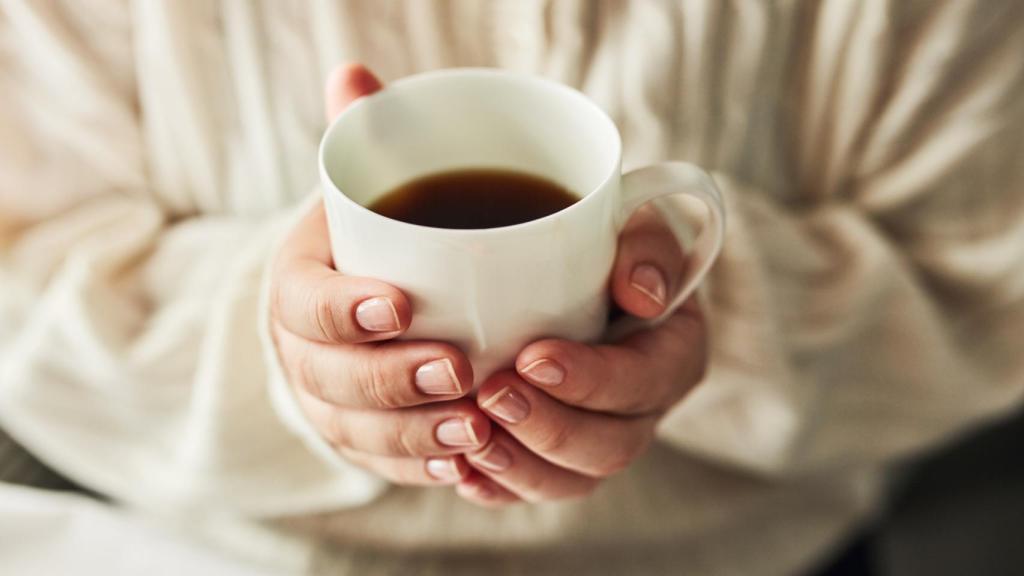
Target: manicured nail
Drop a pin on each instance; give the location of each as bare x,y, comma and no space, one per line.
650,281
508,405
545,372
494,457
443,469
377,315
456,432
437,377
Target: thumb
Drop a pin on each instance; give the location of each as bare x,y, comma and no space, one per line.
649,265
344,85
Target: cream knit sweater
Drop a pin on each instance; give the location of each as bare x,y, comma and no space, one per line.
869,301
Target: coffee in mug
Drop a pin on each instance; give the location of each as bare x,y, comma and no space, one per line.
474,198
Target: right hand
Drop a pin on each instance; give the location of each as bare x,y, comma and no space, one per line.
395,408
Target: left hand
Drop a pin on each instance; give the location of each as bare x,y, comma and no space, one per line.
571,414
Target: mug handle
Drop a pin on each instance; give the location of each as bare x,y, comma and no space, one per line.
642,185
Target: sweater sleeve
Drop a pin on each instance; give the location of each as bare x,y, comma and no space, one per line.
130,354
875,307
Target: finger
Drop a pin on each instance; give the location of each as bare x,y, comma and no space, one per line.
508,463
586,442
412,471
646,373
345,84
435,430
483,491
649,265
313,300
383,376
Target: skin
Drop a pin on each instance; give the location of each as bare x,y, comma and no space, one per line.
567,417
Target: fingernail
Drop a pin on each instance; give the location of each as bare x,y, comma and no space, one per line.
456,432
650,281
438,377
443,469
495,458
377,315
545,372
507,405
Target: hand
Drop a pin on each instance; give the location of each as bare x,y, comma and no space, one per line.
394,408
572,414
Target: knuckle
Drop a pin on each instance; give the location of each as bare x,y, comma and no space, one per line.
553,440
399,472
639,404
407,473
532,496
305,370
670,391
585,392
393,475
378,466
614,460
377,388
621,455
324,318
636,404
347,454
336,433
401,440
533,488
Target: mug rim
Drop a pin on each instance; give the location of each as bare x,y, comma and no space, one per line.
603,117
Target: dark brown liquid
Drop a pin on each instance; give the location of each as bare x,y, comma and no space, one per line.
477,198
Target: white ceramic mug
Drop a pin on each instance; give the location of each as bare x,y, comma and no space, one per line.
492,291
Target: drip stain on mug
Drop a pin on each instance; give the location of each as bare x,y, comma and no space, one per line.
474,199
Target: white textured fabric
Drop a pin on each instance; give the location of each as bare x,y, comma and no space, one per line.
868,302
46,533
